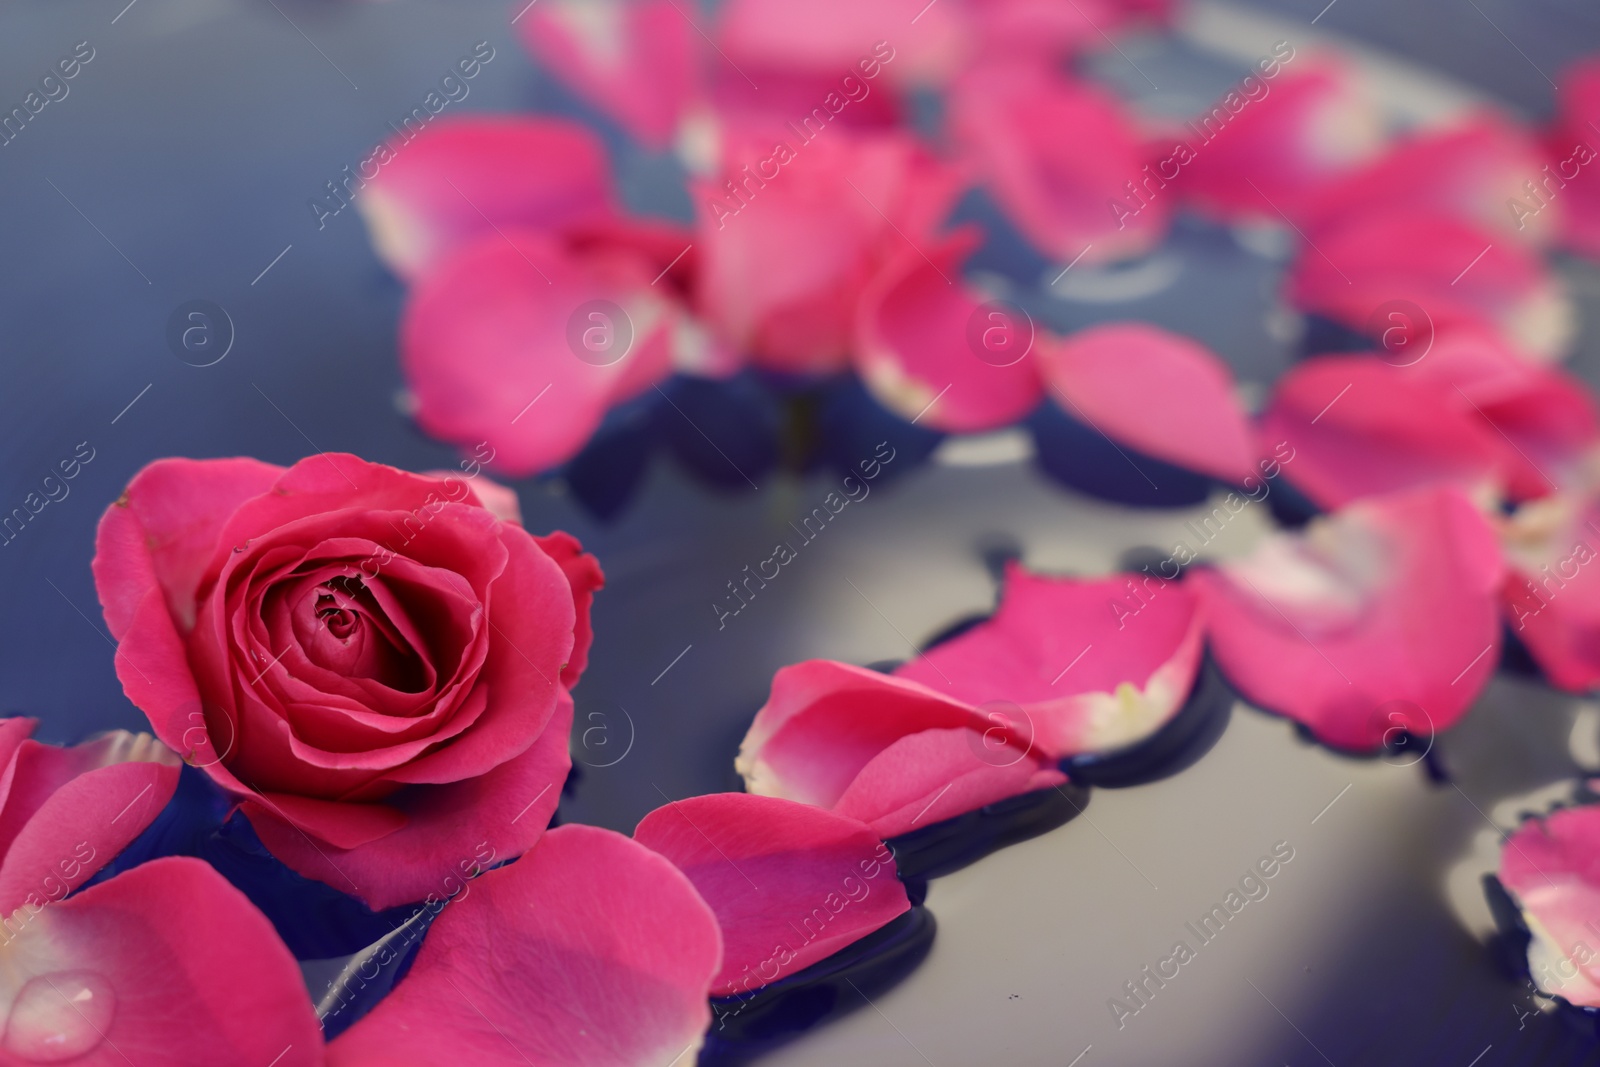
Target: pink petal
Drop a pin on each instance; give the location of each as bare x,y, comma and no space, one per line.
1573,159
166,965
585,578
791,884
1551,867
1458,274
916,346
1056,154
824,721
1275,143
504,810
1155,391
744,117
1380,616
787,252
163,530
847,37
926,777
1551,596
487,346
1544,418
69,811
1049,29
14,730
1091,664
462,178
1471,170
1360,427
500,500
592,951
633,59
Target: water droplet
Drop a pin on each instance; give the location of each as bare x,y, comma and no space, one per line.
59,1016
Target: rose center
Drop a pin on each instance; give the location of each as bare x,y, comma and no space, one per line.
340,620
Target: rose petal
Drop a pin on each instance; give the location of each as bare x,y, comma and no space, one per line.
1458,274
592,951
1543,418
500,500
1551,596
787,249
506,809
1155,391
163,531
81,827
914,346
68,811
1360,427
488,346
1471,170
14,730
1055,152
1551,867
1274,144
1049,29
464,178
165,965
834,36
824,721
633,59
1573,158
788,882
1090,664
926,777
1378,617
585,578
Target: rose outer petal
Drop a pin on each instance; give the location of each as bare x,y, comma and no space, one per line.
586,578
591,951
506,809
164,529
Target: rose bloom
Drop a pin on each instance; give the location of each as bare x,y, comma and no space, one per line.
376,663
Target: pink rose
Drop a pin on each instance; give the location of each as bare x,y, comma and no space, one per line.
375,663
